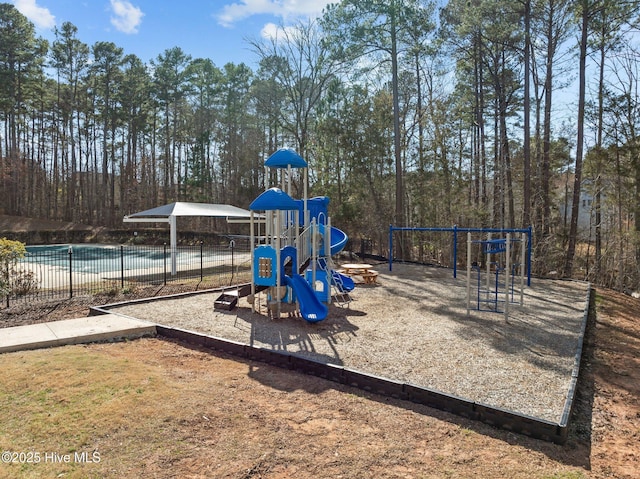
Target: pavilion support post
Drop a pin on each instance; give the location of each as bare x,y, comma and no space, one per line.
174,244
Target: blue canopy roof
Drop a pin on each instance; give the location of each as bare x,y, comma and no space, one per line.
273,199
285,157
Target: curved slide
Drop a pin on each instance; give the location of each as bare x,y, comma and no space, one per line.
338,241
311,308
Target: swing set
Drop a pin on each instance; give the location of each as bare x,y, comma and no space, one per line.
497,273
502,260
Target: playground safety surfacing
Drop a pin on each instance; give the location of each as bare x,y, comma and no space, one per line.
410,337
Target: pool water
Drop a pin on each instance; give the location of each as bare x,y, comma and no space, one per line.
108,258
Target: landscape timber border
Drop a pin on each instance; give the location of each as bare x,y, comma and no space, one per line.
500,418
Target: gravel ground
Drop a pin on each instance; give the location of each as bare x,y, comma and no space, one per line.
413,327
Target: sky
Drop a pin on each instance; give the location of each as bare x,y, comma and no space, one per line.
214,29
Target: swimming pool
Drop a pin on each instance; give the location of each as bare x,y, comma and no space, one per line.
100,259
67,270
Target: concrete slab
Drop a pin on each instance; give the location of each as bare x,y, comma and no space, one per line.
13,339
73,331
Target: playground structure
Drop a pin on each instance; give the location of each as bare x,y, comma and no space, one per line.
495,269
455,234
284,233
496,272
293,244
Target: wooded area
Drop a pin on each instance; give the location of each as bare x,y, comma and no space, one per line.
408,114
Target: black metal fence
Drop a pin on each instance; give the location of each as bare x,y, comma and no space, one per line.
66,271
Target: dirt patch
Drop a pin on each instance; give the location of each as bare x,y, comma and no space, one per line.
154,408
45,231
615,354
22,224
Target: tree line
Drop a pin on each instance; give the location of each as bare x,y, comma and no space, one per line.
408,114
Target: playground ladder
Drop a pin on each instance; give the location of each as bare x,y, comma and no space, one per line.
342,297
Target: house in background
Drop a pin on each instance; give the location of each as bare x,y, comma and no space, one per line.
586,208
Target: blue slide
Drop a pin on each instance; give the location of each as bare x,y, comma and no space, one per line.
338,241
344,283
312,309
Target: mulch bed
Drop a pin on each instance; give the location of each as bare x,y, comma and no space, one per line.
413,327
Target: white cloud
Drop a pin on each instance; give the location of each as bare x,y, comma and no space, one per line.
285,9
271,31
40,16
126,17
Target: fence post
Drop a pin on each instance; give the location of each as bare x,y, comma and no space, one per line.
70,272
8,292
122,266
201,268
165,263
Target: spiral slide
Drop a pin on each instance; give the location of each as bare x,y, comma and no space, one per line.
338,241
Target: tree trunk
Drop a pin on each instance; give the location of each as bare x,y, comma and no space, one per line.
526,200
400,220
575,205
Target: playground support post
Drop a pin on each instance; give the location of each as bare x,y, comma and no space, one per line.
488,264
507,273
391,229
252,235
315,230
523,239
494,247
455,250
468,272
278,245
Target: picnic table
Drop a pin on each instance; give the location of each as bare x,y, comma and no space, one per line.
361,269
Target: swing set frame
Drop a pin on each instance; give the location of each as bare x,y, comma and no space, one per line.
455,231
